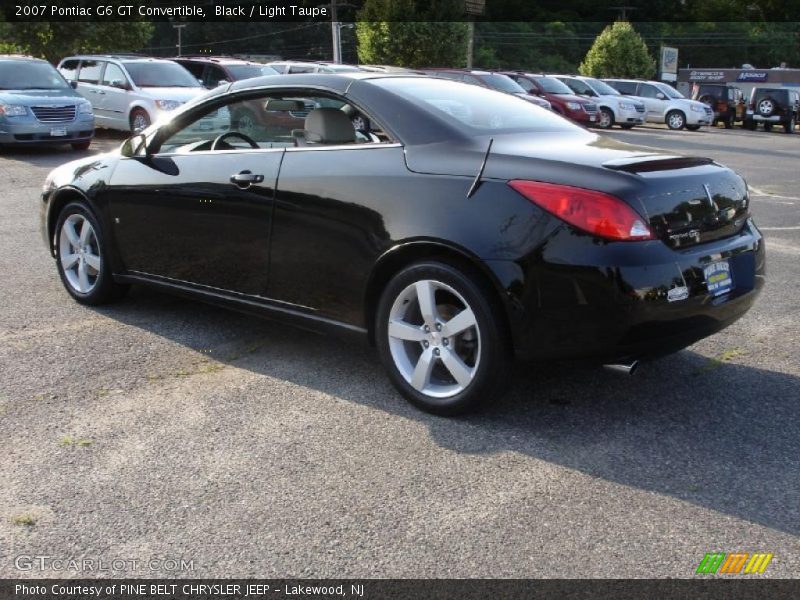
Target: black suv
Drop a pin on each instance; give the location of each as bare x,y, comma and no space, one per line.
213,71
773,105
725,100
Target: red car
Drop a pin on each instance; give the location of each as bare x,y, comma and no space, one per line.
563,100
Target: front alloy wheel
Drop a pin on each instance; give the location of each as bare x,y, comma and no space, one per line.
81,257
676,119
606,119
441,340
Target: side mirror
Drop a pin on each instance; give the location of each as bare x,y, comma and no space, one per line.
660,96
73,84
222,82
134,145
119,84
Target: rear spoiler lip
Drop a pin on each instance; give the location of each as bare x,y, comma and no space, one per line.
661,163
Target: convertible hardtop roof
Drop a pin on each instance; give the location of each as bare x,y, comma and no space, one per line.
335,81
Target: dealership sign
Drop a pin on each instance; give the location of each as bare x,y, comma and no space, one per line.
706,76
752,76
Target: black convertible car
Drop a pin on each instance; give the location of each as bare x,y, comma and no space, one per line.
464,228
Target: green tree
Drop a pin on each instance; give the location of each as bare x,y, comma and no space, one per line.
618,52
387,36
53,41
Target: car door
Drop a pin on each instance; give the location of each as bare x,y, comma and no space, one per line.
89,75
116,95
198,209
656,107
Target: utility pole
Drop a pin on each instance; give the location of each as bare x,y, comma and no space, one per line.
473,7
336,34
179,28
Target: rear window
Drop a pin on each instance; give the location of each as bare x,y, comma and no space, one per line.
777,93
624,87
480,110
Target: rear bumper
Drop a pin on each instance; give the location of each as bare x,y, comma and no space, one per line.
615,305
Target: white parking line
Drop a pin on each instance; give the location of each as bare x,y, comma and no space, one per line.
761,193
793,228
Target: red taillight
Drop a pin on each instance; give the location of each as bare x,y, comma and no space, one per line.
594,212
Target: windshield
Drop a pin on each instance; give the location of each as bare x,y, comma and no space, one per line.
24,75
551,85
158,74
502,83
670,91
478,110
248,71
601,87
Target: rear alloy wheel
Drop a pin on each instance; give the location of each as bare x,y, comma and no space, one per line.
606,119
139,120
676,119
82,259
441,340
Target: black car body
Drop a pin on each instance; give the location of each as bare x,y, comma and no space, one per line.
773,106
318,232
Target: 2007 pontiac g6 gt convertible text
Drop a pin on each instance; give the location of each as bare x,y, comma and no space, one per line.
456,229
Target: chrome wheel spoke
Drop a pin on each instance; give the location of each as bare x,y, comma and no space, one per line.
406,331
83,278
68,261
460,323
72,235
86,232
93,261
426,297
460,372
422,372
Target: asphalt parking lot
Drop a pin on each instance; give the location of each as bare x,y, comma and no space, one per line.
161,427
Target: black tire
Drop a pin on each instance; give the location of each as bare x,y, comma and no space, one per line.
605,118
675,120
749,125
81,145
788,127
729,122
767,126
136,114
104,288
491,356
693,127
627,125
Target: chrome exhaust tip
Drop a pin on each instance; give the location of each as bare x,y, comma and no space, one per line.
622,368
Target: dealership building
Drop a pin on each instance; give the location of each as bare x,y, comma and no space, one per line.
744,79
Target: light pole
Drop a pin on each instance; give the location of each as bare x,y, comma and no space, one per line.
473,8
179,28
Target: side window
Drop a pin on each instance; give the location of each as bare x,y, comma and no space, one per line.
90,71
300,69
114,76
196,69
624,87
526,84
472,79
214,75
270,121
648,91
69,69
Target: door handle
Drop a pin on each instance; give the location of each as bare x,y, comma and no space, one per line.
245,179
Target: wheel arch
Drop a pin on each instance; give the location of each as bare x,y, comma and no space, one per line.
59,200
399,257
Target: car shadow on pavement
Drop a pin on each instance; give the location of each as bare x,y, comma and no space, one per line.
52,156
709,432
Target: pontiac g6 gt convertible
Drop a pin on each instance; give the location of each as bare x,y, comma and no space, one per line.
463,229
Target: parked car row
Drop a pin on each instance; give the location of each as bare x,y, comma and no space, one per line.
128,92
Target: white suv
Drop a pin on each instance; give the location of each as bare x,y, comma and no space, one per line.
129,92
665,104
614,107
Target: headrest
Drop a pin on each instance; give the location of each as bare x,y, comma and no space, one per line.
329,126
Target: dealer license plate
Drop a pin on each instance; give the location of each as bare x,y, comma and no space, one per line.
718,278
58,131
